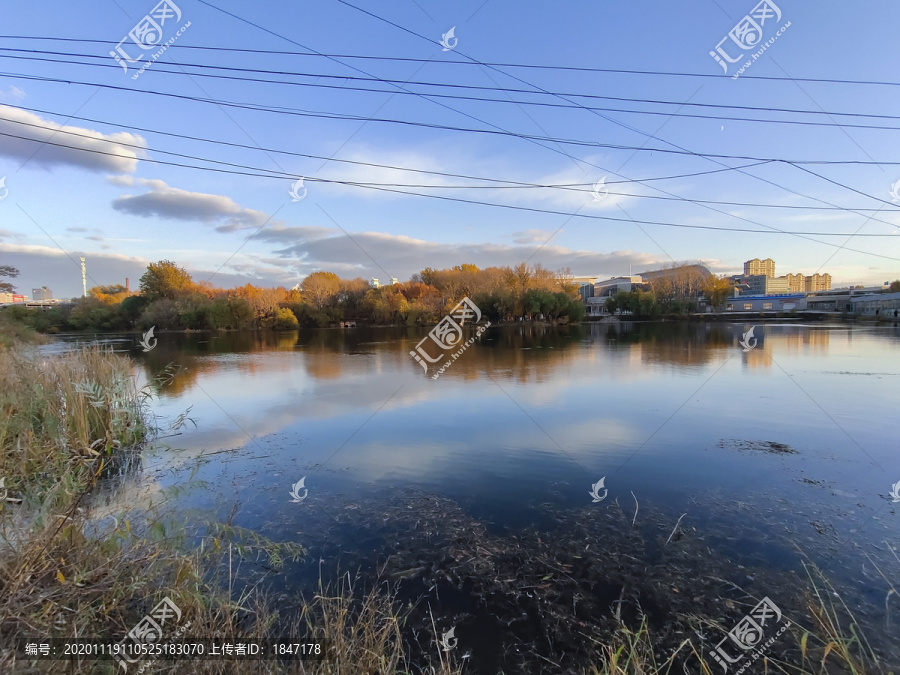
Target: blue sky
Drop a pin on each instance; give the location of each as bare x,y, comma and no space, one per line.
121,212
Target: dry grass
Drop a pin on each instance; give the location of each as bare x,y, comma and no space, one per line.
63,422
64,418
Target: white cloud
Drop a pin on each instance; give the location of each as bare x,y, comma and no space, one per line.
74,146
401,256
532,236
61,270
12,93
163,201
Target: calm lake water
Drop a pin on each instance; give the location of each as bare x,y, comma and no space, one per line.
776,455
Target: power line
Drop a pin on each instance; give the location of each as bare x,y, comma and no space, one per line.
524,137
369,57
529,137
388,188
605,117
501,183
342,87
282,110
373,164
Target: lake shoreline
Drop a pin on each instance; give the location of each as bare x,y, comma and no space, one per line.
717,317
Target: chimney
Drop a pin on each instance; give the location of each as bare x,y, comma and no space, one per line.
127,290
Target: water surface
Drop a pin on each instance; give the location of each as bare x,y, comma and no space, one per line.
784,452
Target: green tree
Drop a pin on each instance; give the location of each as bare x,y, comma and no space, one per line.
241,312
91,314
285,319
162,313
895,286
230,312
164,279
193,311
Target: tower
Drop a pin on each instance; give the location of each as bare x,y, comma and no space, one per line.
83,280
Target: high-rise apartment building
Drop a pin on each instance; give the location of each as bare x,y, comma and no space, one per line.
756,266
818,282
791,283
796,283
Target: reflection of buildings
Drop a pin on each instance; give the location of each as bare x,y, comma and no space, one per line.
757,359
792,339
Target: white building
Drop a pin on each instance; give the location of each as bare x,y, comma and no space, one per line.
604,289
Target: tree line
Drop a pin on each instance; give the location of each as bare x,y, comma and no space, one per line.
170,299
677,291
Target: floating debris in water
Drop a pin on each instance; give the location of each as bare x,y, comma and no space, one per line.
770,447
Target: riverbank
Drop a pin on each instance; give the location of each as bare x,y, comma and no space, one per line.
74,424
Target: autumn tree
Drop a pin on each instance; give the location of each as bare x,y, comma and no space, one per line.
112,294
263,302
543,279
426,276
566,281
717,290
164,279
320,288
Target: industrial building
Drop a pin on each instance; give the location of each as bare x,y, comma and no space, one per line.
767,303
881,304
